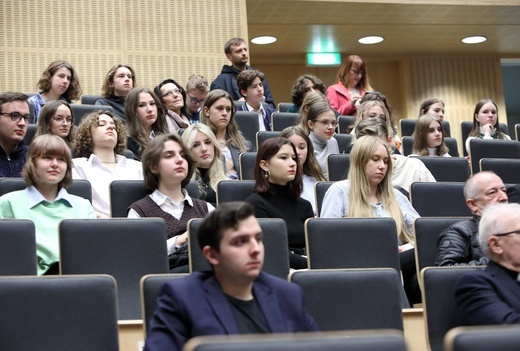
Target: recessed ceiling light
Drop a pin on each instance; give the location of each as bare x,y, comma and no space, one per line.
372,39
474,39
263,40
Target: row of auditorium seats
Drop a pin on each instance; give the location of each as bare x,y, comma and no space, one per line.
80,312
436,199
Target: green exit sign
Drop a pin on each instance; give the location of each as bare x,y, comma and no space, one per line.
323,59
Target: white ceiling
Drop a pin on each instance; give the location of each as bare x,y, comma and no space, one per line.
408,29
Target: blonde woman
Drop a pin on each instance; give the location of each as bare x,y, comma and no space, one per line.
205,149
377,108
309,100
368,192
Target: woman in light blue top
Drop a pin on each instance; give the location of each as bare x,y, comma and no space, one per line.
45,201
368,192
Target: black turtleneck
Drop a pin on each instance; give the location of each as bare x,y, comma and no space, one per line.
278,203
206,191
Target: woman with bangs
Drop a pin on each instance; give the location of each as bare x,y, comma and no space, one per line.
144,119
278,186
320,123
168,167
485,123
45,201
100,144
120,79
368,192
173,101
57,118
352,84
205,149
218,113
429,137
59,81
311,171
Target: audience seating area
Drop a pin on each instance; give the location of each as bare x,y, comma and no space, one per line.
112,270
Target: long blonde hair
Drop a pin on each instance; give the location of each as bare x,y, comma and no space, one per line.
216,168
359,204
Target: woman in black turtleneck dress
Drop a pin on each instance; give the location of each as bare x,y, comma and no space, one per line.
277,193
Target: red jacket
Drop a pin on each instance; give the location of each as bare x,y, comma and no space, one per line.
339,98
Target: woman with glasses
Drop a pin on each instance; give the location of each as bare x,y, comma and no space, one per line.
57,118
144,119
58,82
320,123
119,80
173,98
345,96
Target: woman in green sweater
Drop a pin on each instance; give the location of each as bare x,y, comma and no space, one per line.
45,201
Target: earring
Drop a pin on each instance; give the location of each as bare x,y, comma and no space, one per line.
266,175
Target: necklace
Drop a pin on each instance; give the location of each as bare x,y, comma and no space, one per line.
109,162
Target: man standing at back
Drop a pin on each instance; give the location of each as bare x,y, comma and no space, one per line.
237,54
235,297
14,116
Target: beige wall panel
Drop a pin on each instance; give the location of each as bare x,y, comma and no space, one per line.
459,82
159,39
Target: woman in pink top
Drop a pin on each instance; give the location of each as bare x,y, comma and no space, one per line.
353,82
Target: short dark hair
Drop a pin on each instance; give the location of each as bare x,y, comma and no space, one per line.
227,215
299,87
10,97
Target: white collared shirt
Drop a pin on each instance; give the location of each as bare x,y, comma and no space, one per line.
261,114
34,197
167,204
100,177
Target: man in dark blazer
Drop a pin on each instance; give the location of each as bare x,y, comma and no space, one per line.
234,298
492,295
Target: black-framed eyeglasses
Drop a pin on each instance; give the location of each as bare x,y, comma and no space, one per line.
17,116
511,232
357,73
195,100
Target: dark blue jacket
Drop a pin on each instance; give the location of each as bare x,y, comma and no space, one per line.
196,305
11,165
489,296
227,80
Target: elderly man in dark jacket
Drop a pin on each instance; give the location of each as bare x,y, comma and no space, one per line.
458,244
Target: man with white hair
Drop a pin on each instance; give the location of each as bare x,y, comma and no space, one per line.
458,244
492,295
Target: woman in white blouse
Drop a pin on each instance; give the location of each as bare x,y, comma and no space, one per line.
99,148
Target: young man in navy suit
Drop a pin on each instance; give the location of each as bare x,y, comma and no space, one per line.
492,295
234,298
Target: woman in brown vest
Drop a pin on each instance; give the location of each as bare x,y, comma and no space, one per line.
168,167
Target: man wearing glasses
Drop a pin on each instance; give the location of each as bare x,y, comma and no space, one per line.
14,117
196,90
458,244
492,295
